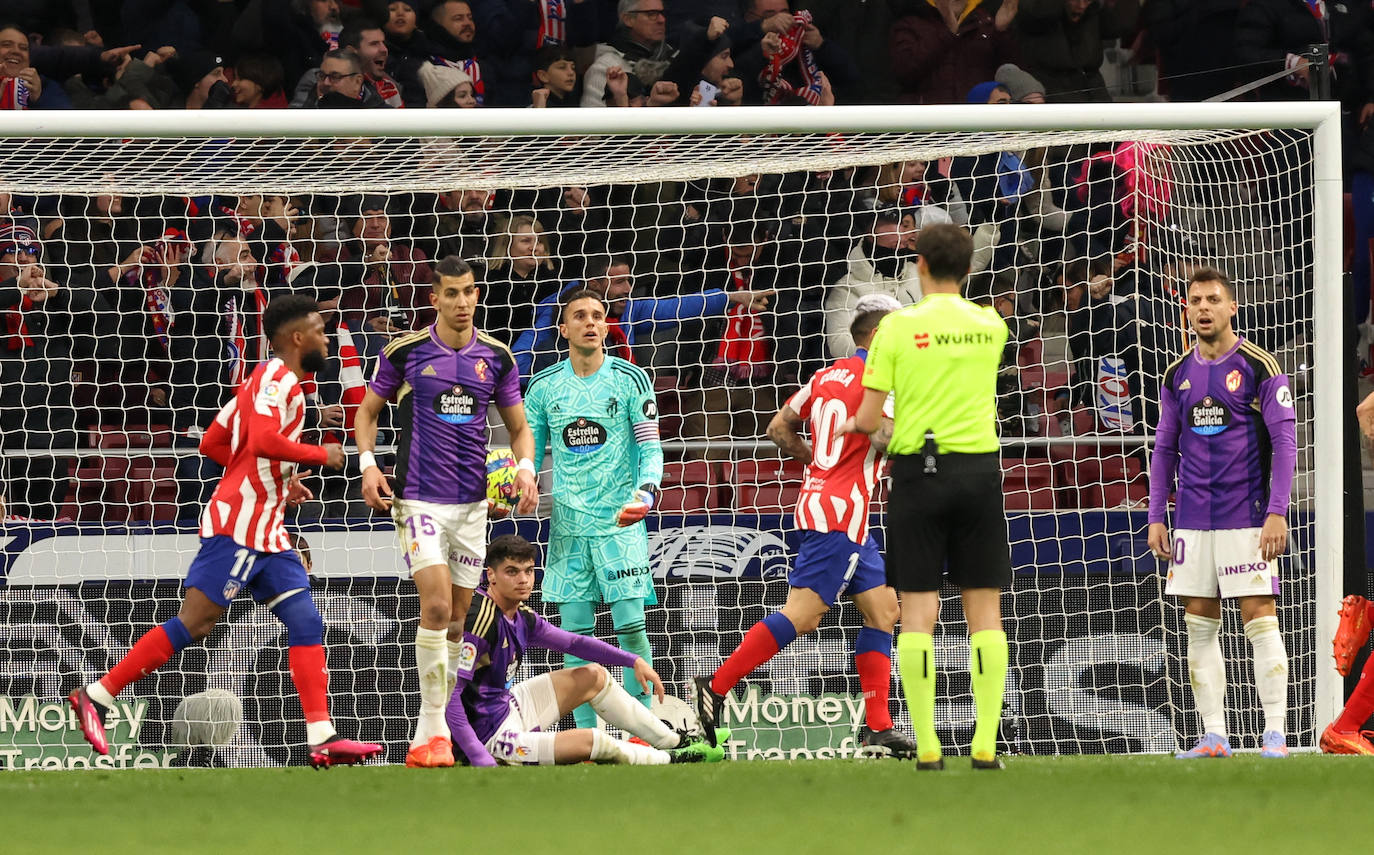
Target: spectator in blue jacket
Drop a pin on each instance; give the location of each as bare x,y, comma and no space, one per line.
631,320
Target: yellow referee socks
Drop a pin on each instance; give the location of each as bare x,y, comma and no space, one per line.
987,667
916,663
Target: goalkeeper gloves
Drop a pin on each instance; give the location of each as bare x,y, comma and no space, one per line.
636,509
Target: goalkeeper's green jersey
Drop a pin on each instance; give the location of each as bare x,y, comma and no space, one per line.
604,432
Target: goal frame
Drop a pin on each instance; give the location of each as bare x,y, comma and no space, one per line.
1321,118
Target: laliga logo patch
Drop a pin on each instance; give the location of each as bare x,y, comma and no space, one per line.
650,410
1233,381
1284,397
922,340
481,370
455,406
467,656
1208,418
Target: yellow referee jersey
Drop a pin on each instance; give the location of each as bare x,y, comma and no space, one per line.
940,359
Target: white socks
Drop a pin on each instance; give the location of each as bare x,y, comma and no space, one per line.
621,710
100,694
319,732
608,749
1207,671
1271,670
455,650
431,662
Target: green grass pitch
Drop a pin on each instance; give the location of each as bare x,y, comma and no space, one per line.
1307,803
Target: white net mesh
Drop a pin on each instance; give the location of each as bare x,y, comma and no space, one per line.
161,251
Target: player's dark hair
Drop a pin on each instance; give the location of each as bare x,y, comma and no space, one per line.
450,265
865,323
285,309
579,294
1211,274
510,547
947,250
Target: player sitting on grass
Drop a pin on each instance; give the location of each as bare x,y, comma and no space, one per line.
491,723
256,437
837,554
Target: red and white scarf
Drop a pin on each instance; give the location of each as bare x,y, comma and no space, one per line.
553,22
17,336
14,94
351,378
150,277
245,331
775,85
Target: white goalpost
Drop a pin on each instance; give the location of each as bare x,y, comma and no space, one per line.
1087,220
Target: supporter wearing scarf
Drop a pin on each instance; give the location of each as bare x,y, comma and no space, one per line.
775,84
151,276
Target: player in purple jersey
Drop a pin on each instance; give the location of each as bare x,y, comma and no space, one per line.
442,379
1227,429
492,721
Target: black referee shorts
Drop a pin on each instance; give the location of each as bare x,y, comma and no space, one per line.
950,522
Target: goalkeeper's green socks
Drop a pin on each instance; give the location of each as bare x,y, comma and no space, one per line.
581,619
987,667
628,618
916,662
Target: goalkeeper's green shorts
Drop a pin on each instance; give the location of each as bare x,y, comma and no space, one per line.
604,569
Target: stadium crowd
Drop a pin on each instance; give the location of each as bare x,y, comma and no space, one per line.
141,312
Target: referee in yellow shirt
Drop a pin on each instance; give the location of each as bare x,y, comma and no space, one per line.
939,358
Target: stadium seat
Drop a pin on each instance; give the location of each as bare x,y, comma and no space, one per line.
1106,480
687,488
153,492
1028,485
669,400
131,436
102,490
766,486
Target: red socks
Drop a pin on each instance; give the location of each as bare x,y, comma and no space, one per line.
147,655
758,647
875,679
311,677
1361,704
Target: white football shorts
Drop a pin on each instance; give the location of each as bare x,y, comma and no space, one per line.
520,740
431,534
1225,563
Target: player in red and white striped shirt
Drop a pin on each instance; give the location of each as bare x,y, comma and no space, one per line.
244,543
837,554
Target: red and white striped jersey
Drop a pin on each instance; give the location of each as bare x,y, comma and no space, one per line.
844,470
255,436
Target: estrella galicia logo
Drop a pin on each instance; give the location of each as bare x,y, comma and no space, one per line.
1208,417
584,436
455,405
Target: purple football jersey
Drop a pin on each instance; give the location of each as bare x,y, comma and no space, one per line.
1227,428
442,397
492,648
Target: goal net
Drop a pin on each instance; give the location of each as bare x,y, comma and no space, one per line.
733,246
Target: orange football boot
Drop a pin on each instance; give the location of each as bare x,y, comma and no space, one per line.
437,753
1352,633
1334,741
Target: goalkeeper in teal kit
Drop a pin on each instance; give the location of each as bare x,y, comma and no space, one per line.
598,413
